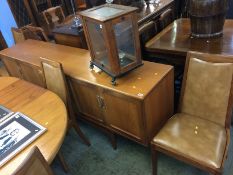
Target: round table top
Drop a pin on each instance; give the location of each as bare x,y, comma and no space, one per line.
42,106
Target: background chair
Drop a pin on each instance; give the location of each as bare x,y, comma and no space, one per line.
3,45
34,164
146,32
53,17
199,133
166,18
54,71
81,5
28,32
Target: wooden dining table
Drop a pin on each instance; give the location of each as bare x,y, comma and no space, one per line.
175,41
42,106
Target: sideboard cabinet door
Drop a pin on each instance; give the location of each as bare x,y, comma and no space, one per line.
88,102
25,71
32,74
123,114
12,67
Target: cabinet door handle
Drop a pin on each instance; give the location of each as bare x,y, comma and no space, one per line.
100,101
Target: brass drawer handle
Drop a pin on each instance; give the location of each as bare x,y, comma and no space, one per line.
100,101
103,106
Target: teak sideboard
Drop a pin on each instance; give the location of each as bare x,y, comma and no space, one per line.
136,108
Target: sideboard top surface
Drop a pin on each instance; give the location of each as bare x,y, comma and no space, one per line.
138,83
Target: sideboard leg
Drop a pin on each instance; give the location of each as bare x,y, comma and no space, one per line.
113,140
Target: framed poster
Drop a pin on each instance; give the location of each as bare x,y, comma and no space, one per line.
16,133
4,113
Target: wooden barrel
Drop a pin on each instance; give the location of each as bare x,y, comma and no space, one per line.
207,17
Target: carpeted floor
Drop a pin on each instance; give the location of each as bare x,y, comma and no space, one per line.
129,159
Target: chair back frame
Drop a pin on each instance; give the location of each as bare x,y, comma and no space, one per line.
28,32
53,13
34,155
57,65
68,97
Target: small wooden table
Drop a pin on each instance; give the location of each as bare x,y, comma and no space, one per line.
42,106
66,35
175,41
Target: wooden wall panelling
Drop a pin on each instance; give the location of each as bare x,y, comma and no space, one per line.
29,11
20,12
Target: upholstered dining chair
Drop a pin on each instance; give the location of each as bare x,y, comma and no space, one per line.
166,18
199,133
56,82
34,164
146,32
53,16
28,32
81,5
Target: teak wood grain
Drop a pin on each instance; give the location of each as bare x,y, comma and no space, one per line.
42,106
137,107
75,62
176,39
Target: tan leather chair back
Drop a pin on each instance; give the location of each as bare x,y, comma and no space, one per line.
207,87
34,164
55,78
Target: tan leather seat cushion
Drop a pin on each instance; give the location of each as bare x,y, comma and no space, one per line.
194,138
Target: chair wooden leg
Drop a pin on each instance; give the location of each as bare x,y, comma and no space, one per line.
63,162
112,138
75,125
154,161
80,133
